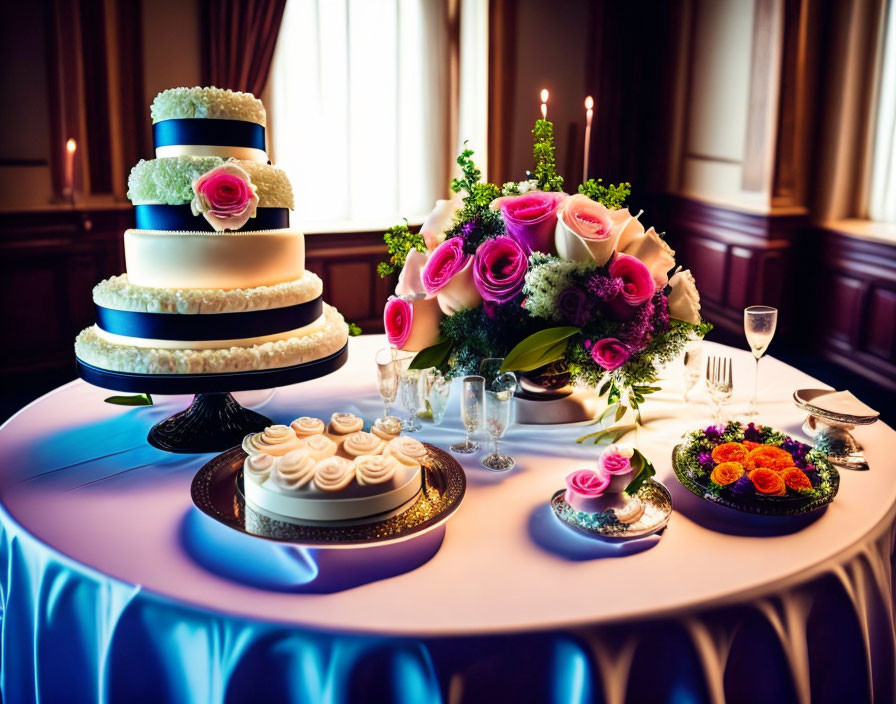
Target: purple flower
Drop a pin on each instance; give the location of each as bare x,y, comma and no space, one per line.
499,269
742,486
572,305
604,288
713,433
751,433
809,468
705,460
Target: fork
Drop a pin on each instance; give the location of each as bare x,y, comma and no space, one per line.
720,384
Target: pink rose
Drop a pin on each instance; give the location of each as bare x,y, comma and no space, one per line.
411,325
609,353
531,218
584,490
637,283
653,252
499,269
616,463
584,225
444,264
225,196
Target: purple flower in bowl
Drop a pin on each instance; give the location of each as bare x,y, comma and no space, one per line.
751,433
705,460
742,486
713,433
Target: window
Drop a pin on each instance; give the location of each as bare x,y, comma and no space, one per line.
882,202
362,112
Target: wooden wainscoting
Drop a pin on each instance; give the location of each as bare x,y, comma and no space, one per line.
49,263
346,262
738,259
855,305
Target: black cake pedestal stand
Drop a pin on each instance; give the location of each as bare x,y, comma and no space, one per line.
214,421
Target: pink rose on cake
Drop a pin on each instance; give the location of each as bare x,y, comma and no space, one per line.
225,197
499,269
448,276
585,489
616,463
530,219
411,324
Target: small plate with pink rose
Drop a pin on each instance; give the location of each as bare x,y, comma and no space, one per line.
618,501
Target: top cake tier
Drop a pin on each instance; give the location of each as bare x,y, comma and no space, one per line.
209,122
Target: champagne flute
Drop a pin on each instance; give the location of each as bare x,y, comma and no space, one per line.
471,407
759,325
387,377
409,389
693,359
498,416
438,389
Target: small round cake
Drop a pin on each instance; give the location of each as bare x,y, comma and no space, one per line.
314,472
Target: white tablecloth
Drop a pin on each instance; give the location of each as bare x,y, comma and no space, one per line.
79,478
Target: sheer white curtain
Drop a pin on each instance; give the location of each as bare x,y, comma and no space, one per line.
359,101
882,202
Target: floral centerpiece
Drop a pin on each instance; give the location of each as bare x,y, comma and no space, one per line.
566,288
755,467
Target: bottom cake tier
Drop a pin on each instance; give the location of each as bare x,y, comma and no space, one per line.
324,337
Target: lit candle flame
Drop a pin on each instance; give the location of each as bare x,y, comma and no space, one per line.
589,103
544,103
544,95
71,145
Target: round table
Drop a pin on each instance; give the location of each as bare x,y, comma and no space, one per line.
115,587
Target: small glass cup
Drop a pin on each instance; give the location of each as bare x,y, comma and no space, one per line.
693,366
438,389
410,392
471,408
387,377
498,417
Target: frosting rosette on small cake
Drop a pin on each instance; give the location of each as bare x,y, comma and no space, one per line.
333,474
345,423
386,428
726,473
585,488
258,466
274,440
320,447
306,426
769,457
768,482
796,479
407,451
374,469
730,452
631,512
295,469
362,443
225,197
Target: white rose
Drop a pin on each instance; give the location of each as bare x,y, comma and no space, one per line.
425,325
655,254
440,220
684,300
410,280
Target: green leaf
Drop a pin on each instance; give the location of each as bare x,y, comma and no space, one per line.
605,388
539,349
646,471
611,434
138,400
434,356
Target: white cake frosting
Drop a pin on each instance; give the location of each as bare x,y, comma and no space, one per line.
118,293
213,260
326,479
306,426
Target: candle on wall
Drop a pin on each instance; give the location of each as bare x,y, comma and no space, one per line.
69,184
589,115
544,103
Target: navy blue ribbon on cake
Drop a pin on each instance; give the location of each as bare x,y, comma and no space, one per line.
208,326
155,216
219,133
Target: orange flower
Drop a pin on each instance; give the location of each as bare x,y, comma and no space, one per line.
796,479
770,457
727,473
730,452
751,444
768,482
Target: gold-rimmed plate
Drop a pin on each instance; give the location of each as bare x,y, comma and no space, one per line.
216,492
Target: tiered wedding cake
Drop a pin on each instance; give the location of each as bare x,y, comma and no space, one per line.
215,280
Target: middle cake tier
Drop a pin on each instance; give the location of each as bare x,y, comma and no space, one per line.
213,260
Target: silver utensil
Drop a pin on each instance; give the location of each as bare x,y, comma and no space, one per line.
720,384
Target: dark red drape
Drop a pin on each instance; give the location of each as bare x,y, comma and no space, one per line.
238,42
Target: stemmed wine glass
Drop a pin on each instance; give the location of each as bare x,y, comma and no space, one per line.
471,407
693,359
759,325
437,391
387,377
410,391
499,390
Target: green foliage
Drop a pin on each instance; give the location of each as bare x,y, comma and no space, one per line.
354,330
539,349
645,471
434,356
137,400
612,196
543,150
475,222
399,242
